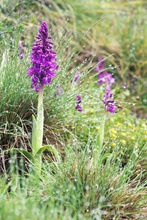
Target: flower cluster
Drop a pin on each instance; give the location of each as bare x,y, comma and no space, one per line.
107,79
43,60
103,76
78,103
108,101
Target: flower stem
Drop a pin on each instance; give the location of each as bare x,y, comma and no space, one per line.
100,141
37,135
40,117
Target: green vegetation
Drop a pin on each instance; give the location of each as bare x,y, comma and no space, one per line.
103,170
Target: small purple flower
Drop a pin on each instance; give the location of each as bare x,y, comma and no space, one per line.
21,50
111,108
106,78
43,60
78,101
79,108
108,101
77,76
103,76
100,66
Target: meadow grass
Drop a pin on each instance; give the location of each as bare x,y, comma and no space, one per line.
103,173
79,188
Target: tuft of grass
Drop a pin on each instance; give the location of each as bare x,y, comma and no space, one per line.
79,188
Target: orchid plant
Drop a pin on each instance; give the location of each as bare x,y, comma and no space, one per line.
107,80
42,71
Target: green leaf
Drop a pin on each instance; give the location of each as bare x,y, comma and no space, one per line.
50,148
25,153
106,156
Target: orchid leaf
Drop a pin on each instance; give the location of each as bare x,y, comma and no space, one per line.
51,149
25,153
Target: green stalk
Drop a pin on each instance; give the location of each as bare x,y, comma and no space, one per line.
101,133
100,140
40,117
37,133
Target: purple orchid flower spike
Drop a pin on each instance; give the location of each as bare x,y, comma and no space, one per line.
42,71
43,60
107,79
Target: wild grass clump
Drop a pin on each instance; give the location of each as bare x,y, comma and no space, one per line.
80,187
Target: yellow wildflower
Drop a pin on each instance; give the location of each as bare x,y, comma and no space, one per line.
123,134
111,120
118,124
91,111
113,144
123,142
143,125
132,138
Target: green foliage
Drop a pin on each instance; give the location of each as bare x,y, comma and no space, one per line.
79,188
51,149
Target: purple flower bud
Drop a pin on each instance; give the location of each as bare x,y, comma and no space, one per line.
103,76
77,76
78,101
107,94
43,59
79,108
111,108
108,101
